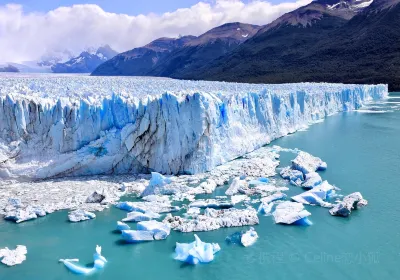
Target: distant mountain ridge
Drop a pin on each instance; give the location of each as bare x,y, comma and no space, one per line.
165,56
363,48
86,62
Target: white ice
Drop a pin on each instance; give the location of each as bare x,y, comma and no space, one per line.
291,213
13,257
249,237
98,259
66,126
196,252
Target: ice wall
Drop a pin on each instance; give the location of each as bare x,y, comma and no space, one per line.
90,125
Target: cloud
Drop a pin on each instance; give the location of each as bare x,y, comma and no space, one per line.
27,36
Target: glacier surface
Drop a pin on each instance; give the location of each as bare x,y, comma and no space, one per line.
69,126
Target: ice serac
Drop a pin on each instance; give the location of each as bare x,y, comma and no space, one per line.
68,126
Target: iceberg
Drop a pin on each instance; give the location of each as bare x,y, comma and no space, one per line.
211,203
350,202
147,231
317,195
236,185
136,236
160,230
71,126
98,259
122,226
265,208
312,180
140,217
13,257
145,206
80,215
307,163
291,213
157,185
249,237
273,197
213,219
196,252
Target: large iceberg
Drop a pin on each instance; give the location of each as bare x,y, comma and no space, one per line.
291,213
66,126
98,263
196,252
350,202
147,231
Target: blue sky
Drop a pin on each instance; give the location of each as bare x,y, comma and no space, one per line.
115,6
132,7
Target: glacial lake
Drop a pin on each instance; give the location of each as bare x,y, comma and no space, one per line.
362,152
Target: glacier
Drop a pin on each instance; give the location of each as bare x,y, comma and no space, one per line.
56,126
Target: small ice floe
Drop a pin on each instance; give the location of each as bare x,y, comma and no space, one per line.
80,215
291,213
95,197
98,259
122,226
146,206
147,231
135,216
295,177
312,180
265,208
317,195
211,203
157,181
249,237
350,202
192,212
18,212
273,197
235,199
196,252
13,257
236,185
307,163
259,181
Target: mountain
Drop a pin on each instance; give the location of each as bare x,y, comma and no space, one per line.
86,62
8,68
139,61
169,57
346,41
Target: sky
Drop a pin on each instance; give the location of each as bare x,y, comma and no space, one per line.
30,29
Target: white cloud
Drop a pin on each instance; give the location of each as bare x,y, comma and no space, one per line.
26,36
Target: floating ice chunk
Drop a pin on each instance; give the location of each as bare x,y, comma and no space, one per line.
139,216
136,236
145,206
156,184
213,219
273,197
317,195
312,179
249,237
13,257
290,174
265,208
192,211
80,215
160,230
350,202
236,185
98,259
291,213
122,226
20,215
239,198
196,252
307,163
211,203
156,198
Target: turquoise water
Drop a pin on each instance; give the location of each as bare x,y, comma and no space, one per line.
362,153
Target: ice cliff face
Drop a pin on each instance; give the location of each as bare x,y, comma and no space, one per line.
63,126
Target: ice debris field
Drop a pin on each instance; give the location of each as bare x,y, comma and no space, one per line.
52,126
200,135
